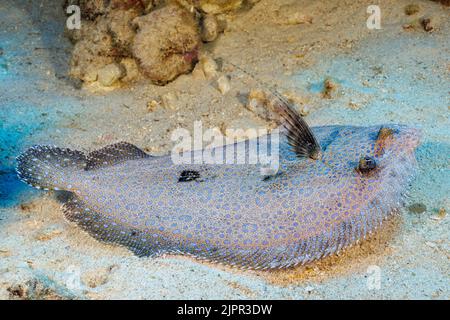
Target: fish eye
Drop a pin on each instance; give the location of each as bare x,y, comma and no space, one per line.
366,164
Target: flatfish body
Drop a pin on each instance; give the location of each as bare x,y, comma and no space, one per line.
232,213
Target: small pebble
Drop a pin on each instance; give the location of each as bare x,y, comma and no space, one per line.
110,73
426,24
198,72
328,88
256,99
90,75
210,28
223,84
152,105
169,100
442,213
209,67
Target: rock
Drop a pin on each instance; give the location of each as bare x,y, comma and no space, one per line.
223,84
427,24
411,9
198,73
166,44
109,74
169,100
212,6
222,21
89,9
131,70
209,65
121,30
92,52
210,28
328,88
90,75
104,39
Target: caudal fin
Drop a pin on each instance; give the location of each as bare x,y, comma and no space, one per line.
46,167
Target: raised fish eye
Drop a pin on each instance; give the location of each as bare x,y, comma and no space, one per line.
366,164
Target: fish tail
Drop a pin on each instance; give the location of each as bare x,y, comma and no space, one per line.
49,168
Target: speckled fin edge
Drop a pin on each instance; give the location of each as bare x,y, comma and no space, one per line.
44,167
106,230
114,154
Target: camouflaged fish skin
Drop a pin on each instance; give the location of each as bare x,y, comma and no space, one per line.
231,213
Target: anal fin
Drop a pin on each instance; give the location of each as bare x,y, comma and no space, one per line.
114,154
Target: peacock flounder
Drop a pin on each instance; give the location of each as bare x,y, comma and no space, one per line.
334,185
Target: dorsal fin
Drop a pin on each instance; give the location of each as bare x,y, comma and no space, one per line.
113,154
300,136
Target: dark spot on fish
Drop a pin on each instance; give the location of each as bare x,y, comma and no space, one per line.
272,176
188,175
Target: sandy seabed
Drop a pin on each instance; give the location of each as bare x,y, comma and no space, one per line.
394,74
